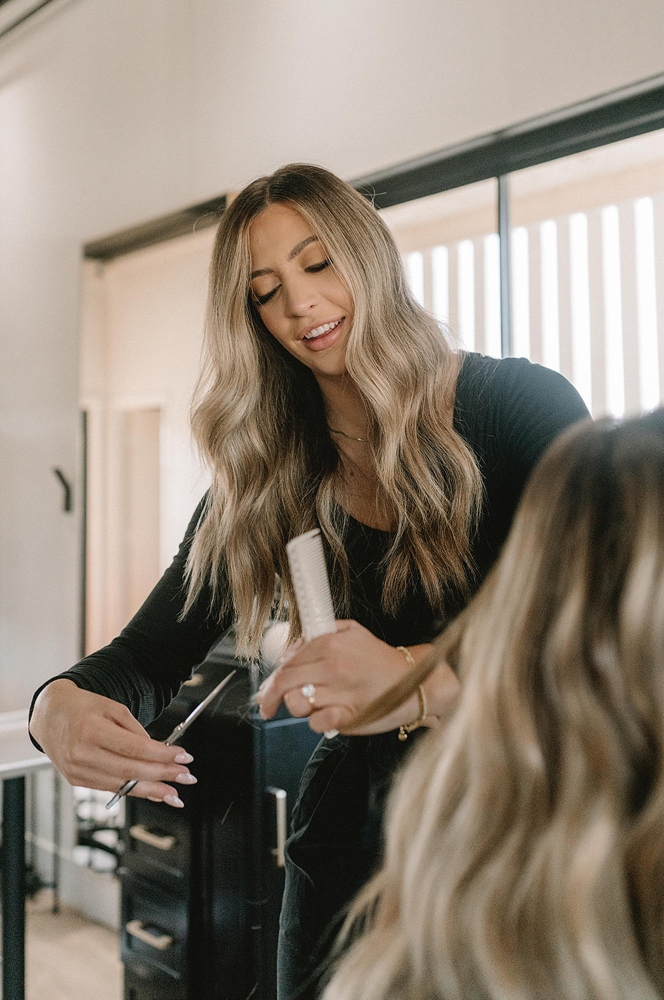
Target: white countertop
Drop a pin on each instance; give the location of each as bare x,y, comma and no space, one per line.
17,754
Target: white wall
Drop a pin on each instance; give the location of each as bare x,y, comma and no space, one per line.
117,111
141,323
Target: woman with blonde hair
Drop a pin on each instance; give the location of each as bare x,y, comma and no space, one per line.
329,398
525,839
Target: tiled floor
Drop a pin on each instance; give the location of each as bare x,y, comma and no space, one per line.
68,957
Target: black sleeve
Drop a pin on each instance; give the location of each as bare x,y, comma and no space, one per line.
144,667
509,411
536,405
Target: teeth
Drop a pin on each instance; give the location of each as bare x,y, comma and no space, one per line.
320,330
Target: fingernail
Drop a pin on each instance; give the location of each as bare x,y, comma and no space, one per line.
186,779
173,800
183,758
153,798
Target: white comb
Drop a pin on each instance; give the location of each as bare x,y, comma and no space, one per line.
312,588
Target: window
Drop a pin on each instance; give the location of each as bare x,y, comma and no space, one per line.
566,267
587,263
450,246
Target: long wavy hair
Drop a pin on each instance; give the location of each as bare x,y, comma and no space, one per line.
525,839
258,418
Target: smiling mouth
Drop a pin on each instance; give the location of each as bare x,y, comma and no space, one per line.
320,331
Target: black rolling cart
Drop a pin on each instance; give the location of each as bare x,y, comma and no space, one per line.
202,886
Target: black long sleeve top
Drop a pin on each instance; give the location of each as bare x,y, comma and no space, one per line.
507,411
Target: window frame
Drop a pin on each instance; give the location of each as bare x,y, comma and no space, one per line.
620,114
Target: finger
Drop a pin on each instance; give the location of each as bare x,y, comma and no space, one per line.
310,652
96,767
331,651
266,701
269,696
135,741
342,625
121,716
133,745
157,792
147,771
91,728
291,681
324,714
112,780
286,689
83,761
291,651
330,717
299,705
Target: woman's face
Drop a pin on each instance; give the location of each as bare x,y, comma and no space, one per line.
299,295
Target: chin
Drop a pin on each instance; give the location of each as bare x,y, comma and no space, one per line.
331,371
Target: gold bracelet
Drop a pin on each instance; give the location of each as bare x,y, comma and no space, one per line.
404,730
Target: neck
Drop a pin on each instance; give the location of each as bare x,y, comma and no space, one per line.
344,406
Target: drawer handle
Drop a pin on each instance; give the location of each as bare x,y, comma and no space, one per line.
163,842
279,797
159,941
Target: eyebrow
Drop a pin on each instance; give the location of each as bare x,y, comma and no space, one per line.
298,248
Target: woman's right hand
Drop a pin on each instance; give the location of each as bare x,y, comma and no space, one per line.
97,743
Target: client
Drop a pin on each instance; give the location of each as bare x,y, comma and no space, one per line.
525,847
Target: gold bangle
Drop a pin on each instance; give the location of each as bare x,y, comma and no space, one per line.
421,697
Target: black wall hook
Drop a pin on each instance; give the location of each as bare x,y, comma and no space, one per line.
67,503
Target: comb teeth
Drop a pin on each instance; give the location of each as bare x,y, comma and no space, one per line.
312,587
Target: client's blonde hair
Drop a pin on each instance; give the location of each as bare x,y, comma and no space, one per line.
525,841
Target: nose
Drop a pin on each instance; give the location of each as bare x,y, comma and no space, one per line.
301,297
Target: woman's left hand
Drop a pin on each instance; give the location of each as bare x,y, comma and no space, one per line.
348,669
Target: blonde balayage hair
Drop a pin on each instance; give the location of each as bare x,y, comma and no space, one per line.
525,840
259,420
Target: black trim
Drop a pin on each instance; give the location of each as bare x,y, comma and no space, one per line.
616,116
24,17
620,114
188,220
83,595
505,266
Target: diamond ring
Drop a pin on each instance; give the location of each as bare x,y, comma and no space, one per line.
309,692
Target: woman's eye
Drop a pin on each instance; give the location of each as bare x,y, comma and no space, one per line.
262,299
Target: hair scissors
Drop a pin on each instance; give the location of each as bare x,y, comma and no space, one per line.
175,735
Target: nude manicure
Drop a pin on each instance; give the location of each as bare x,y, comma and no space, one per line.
173,800
186,779
183,758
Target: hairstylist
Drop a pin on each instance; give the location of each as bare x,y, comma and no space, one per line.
328,399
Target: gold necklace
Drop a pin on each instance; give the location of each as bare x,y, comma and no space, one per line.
349,436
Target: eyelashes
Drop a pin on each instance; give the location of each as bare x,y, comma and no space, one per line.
315,268
261,300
